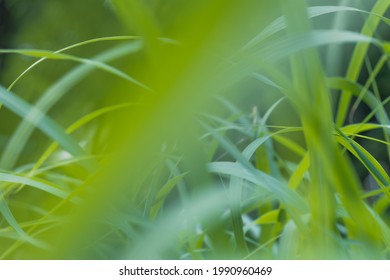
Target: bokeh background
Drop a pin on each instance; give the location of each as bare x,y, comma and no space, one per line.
147,192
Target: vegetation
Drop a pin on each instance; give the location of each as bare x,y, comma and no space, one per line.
196,130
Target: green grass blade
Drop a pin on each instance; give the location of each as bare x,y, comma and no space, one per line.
76,125
367,160
355,89
299,174
164,192
7,214
359,54
280,23
61,56
38,184
235,198
43,122
114,38
23,132
136,16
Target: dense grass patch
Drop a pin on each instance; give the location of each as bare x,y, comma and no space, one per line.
206,130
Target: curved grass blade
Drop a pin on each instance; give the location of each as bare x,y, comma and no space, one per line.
288,197
277,50
76,125
243,169
61,56
356,63
373,139
280,23
71,129
266,56
22,133
44,123
369,98
38,184
164,192
370,81
205,207
361,127
299,174
289,144
113,38
366,159
23,237
235,197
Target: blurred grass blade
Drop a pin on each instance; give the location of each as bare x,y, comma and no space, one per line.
76,125
280,23
137,17
96,40
367,160
369,98
163,193
299,174
235,197
61,56
288,197
52,95
44,123
360,52
39,184
6,213
311,39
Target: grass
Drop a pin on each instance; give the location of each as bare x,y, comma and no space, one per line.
215,139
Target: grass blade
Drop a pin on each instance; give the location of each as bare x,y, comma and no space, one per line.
23,132
44,123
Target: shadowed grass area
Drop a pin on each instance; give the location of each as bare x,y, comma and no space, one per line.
211,130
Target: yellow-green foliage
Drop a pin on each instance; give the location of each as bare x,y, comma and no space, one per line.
199,130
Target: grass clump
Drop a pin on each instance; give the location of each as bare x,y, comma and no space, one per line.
216,133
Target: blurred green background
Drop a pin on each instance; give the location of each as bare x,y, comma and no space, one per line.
180,101
55,24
